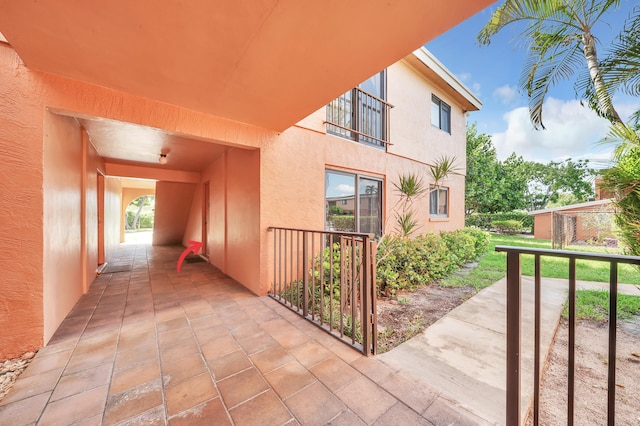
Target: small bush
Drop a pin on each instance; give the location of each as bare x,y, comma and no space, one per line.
335,210
481,241
484,220
344,223
507,227
461,245
410,263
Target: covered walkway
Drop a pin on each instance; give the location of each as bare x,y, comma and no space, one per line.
148,345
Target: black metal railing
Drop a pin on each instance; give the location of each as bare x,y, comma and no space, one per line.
360,116
513,409
330,279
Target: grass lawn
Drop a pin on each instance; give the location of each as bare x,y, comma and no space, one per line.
493,265
594,304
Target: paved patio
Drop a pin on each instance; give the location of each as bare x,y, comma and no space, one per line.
153,346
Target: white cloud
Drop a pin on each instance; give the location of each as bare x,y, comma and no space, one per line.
505,94
344,189
572,131
464,77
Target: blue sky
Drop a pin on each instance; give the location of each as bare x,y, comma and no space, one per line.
492,73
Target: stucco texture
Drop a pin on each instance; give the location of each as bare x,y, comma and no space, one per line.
48,237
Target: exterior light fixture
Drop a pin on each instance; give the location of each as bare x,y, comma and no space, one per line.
163,159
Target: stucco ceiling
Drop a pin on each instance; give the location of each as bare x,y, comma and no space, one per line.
127,143
267,63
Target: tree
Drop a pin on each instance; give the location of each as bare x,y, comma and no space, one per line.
139,202
624,180
492,186
547,181
621,68
482,162
559,37
512,182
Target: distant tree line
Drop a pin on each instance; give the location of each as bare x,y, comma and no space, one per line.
494,186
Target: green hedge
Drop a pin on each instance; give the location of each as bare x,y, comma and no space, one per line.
485,220
410,263
507,227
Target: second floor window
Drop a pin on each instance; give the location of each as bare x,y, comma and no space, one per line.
362,114
440,114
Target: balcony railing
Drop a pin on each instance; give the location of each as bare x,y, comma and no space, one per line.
330,279
367,122
514,333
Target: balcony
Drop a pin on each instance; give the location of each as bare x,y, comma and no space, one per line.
360,116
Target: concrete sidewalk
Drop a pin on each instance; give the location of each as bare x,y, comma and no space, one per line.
463,354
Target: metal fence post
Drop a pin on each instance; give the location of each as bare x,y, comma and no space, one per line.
514,285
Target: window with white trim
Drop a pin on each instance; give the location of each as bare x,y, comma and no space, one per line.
440,114
438,201
361,212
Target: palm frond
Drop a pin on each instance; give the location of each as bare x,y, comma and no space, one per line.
554,35
410,186
407,224
553,58
443,167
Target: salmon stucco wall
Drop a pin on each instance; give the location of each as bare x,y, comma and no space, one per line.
234,216
112,218
193,230
21,121
243,217
173,204
62,274
216,175
93,165
293,166
542,226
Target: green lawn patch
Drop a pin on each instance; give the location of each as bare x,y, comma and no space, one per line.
594,305
492,266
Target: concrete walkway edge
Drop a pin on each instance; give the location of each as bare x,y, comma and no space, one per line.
463,354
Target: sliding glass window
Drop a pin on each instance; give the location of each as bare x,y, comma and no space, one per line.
344,211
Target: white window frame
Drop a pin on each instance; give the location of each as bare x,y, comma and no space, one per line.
357,177
439,189
441,106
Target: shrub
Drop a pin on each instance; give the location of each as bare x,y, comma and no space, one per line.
336,210
484,220
507,227
460,244
344,223
481,240
403,263
410,263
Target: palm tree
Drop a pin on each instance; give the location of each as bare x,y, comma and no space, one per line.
559,38
621,68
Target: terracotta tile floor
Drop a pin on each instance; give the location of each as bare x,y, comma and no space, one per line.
153,346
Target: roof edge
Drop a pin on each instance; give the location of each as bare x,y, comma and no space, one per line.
428,59
571,206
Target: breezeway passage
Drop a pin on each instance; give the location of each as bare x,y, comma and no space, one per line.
153,345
